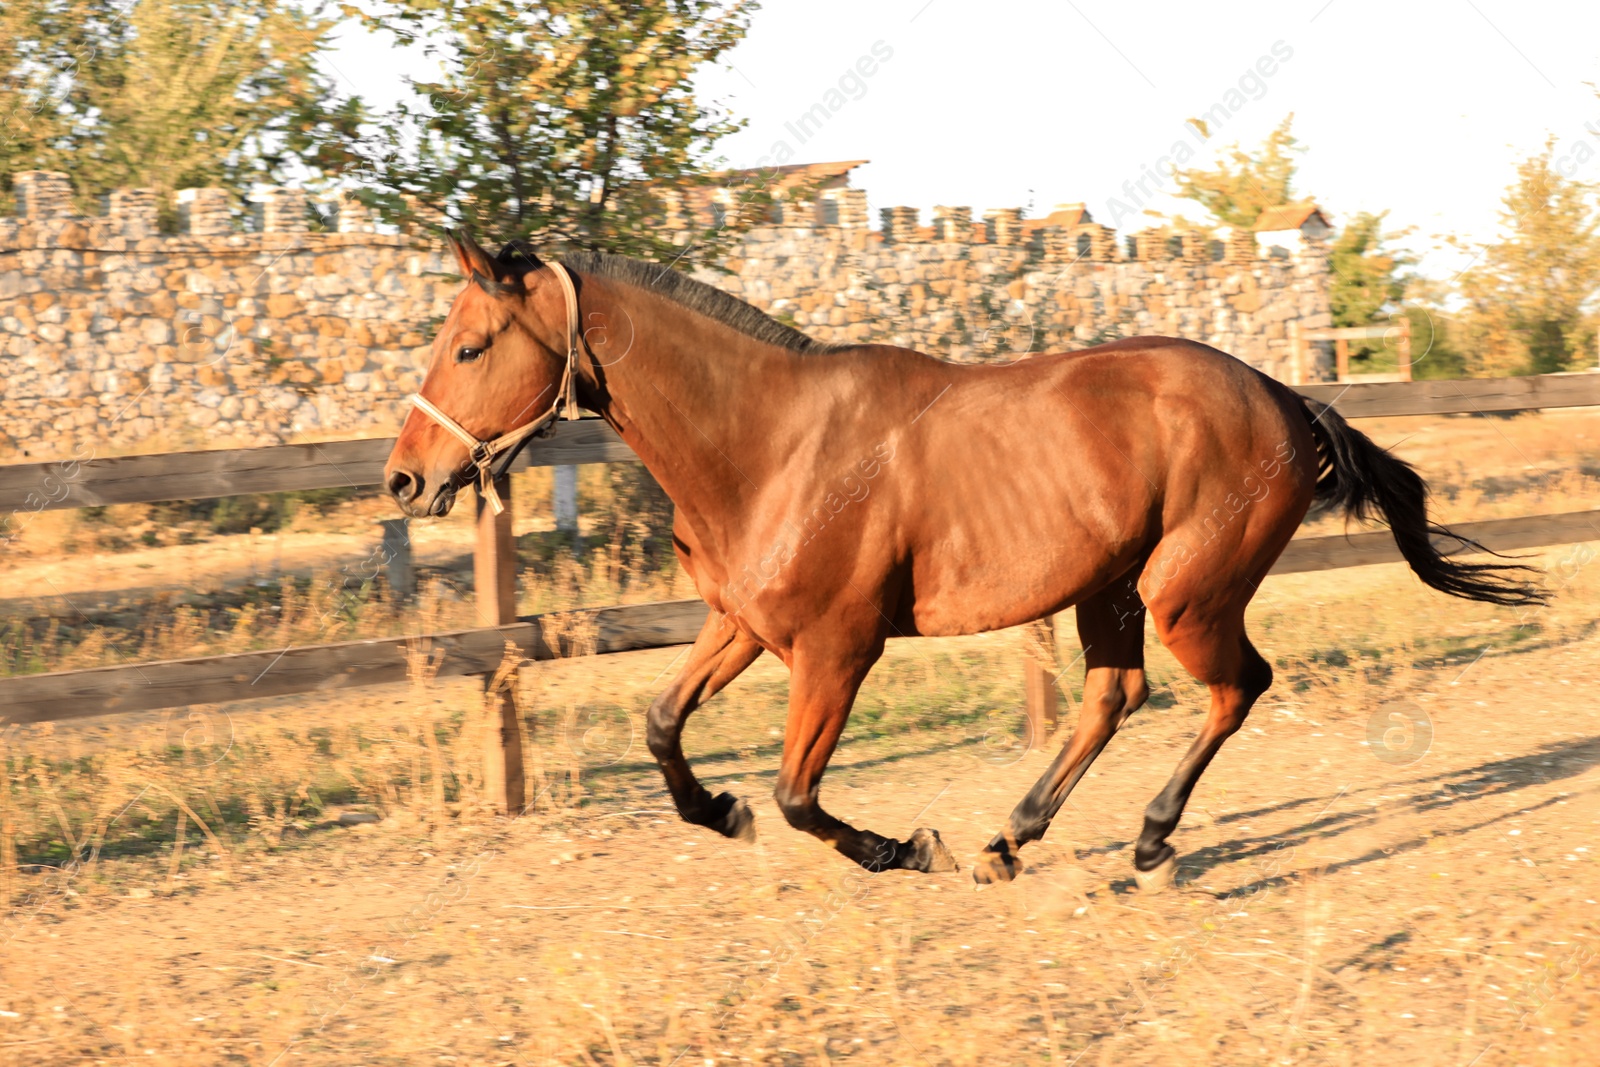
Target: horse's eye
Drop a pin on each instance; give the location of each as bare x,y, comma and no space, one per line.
468,355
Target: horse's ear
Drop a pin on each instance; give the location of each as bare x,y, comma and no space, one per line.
470,256
480,268
519,257
516,261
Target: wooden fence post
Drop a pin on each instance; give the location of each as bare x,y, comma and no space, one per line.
1403,348
1039,688
494,577
1040,669
396,551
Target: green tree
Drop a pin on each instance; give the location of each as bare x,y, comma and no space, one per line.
1530,295
165,94
1367,271
1245,184
1368,280
565,122
1436,332
42,44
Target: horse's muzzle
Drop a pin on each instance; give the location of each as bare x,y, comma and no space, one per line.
443,501
410,492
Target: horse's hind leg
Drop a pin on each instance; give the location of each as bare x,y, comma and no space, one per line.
718,655
821,690
1111,627
1209,640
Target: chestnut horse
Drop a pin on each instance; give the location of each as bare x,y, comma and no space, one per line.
831,496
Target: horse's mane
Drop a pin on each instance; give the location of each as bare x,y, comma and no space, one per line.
697,296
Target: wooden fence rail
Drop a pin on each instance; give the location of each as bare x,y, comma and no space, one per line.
153,686
94,482
321,669
1469,396
1377,546
1398,331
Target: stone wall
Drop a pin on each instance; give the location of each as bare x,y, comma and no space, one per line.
117,339
977,300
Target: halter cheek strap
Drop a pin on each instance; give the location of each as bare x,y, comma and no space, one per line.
483,453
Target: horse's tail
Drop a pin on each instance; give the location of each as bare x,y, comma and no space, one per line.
1360,478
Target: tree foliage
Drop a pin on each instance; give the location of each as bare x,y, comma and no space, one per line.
563,122
167,94
1436,331
1530,296
1244,184
1368,278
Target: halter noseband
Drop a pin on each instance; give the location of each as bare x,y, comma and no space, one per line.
483,453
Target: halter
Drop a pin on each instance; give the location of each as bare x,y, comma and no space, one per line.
482,452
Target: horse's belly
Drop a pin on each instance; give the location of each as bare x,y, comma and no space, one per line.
973,584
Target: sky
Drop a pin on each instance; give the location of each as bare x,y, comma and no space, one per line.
1422,108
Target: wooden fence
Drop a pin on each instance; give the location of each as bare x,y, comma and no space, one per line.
91,482
1341,336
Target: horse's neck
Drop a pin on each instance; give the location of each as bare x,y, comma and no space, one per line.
684,397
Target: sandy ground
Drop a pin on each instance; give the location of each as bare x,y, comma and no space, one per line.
1333,907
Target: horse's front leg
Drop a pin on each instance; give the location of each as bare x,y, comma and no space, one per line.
822,688
719,654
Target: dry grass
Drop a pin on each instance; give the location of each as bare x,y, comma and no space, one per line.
1496,467
1333,907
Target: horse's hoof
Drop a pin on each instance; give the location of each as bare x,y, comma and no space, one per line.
734,818
1158,877
995,867
927,853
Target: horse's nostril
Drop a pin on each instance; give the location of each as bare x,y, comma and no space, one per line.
404,486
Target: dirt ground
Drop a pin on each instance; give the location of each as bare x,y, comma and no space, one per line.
1354,887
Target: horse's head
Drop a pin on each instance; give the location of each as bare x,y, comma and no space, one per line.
497,366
